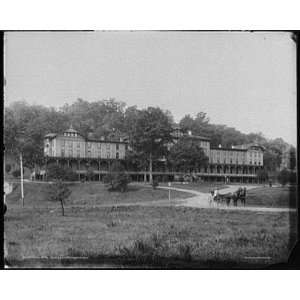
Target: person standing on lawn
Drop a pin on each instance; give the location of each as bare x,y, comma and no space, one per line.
211,198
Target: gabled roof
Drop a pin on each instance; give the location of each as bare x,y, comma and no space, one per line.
50,135
247,146
71,130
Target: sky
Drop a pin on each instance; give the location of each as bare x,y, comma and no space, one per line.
246,80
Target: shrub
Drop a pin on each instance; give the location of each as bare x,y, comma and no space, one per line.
90,175
285,176
17,173
57,172
7,168
117,179
155,183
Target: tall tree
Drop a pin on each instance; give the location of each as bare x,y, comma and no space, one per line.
152,134
187,155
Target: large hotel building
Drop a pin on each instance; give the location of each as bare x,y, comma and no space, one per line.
239,163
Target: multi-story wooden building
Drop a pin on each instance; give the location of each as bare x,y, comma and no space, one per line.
82,154
238,163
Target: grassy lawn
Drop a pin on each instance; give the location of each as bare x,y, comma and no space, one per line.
151,236
273,197
36,194
145,235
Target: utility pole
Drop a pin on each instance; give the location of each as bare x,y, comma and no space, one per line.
22,180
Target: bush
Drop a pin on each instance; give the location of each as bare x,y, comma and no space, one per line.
7,168
154,183
117,179
57,172
90,175
17,173
285,176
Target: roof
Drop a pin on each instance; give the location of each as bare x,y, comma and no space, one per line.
247,146
72,130
198,137
229,149
106,141
51,135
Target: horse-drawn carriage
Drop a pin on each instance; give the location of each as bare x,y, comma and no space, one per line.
239,194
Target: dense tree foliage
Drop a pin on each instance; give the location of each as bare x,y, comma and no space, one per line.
286,176
148,130
57,172
187,155
152,134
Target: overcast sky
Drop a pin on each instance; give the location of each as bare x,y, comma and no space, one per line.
241,79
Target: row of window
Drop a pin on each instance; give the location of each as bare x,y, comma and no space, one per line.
237,162
89,154
89,145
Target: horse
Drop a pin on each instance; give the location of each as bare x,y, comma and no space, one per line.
223,198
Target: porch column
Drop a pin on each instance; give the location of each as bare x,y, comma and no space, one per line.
99,169
79,169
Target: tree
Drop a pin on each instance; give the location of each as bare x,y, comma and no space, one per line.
152,134
59,192
117,179
187,155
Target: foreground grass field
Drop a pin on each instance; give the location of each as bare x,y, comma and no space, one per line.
143,236
151,235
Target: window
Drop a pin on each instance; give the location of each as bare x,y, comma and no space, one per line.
117,155
117,146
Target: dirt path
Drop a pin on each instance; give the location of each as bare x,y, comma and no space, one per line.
200,200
